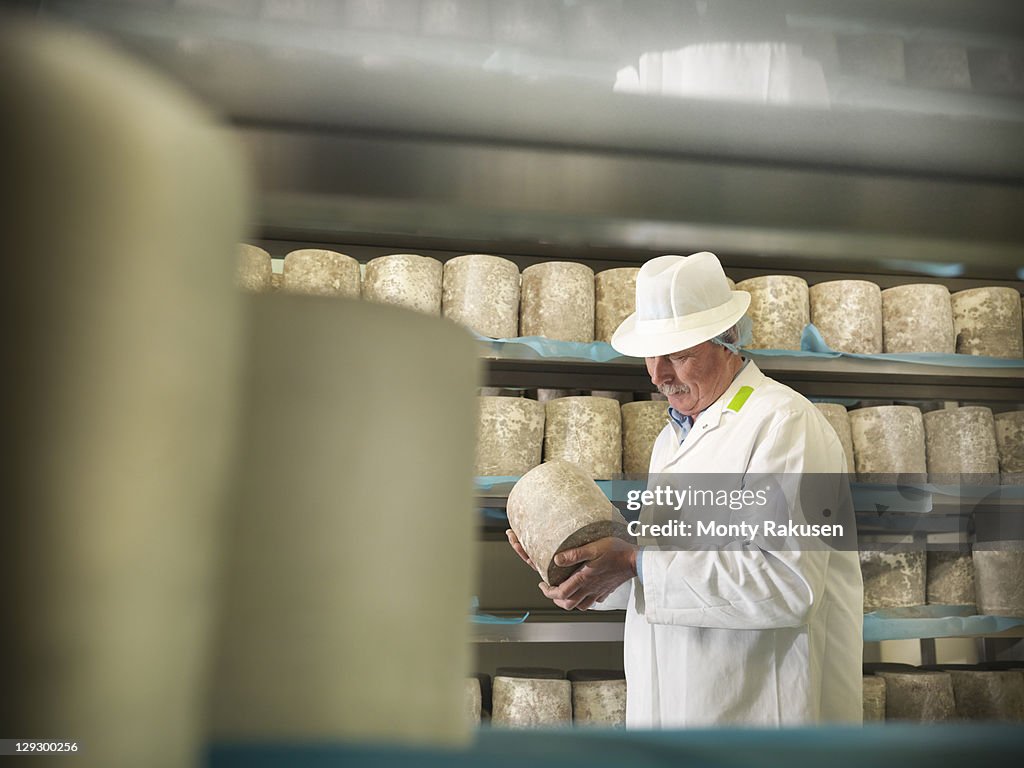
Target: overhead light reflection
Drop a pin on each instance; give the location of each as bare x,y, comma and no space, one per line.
750,72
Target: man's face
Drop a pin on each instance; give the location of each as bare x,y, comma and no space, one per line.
693,378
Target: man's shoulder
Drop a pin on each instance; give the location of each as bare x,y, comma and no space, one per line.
768,397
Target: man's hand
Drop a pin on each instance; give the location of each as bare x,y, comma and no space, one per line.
608,563
514,541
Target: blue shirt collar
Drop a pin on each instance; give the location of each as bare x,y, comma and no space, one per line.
684,422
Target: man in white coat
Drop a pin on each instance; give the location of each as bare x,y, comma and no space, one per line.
739,635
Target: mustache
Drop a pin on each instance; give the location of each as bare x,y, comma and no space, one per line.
673,389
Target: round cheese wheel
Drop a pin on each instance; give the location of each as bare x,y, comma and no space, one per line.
849,315
510,435
892,579
839,420
779,309
291,605
923,697
598,697
999,577
615,297
950,578
482,292
555,507
472,700
254,268
988,694
874,698
318,272
987,322
642,422
558,301
530,702
1010,444
888,444
960,444
918,318
586,431
406,280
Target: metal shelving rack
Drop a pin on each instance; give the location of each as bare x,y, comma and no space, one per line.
949,514
839,377
546,628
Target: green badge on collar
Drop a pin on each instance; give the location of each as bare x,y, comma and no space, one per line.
739,399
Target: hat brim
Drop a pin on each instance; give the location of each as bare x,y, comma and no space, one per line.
627,340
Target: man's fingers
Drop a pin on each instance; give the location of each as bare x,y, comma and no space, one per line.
566,605
571,586
578,555
585,603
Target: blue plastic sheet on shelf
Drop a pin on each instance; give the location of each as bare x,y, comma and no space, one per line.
933,621
812,345
811,342
613,489
531,347
496,483
891,498
485,618
935,269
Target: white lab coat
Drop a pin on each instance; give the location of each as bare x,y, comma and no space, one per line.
745,636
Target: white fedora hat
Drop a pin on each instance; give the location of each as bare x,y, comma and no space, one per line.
681,301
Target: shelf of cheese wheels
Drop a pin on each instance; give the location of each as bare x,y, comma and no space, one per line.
549,325
937,346
913,587
840,338
930,475
515,363
547,329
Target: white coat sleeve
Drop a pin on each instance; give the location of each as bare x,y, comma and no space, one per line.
743,586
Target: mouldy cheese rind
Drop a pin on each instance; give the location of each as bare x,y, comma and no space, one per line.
556,506
586,431
510,435
918,318
406,280
482,292
558,301
255,268
779,309
848,313
642,422
319,272
987,321
888,443
615,300
522,702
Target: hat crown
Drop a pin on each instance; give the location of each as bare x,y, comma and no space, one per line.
681,302
672,287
